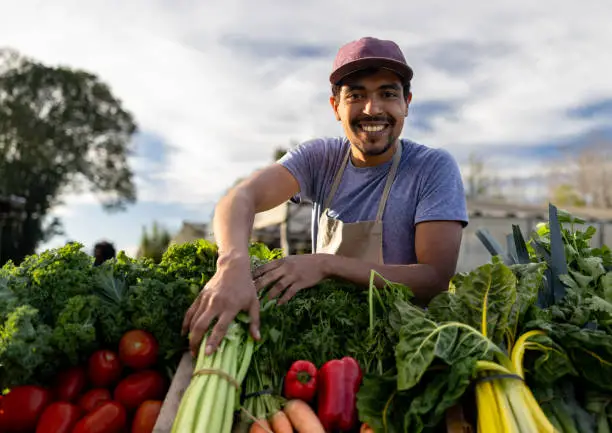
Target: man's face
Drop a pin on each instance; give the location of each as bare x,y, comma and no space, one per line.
372,109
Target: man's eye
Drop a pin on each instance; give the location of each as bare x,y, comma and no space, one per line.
390,94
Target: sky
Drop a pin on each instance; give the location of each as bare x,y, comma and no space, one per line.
215,87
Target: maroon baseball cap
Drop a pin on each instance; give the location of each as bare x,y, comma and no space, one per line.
366,53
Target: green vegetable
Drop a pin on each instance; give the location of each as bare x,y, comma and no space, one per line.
210,399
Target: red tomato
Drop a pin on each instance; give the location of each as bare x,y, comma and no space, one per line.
138,349
146,416
110,417
58,417
139,387
69,384
94,398
104,368
22,407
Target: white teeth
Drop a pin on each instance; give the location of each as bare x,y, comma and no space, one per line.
373,128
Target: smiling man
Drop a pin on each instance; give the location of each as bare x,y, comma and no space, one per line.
379,202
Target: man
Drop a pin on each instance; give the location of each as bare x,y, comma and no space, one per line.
379,202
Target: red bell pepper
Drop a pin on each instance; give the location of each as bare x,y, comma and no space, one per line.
339,381
301,381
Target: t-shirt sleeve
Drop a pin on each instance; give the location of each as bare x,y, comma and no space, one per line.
442,194
301,162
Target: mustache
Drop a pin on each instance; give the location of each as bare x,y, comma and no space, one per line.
386,119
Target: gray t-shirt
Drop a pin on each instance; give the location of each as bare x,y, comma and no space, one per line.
428,186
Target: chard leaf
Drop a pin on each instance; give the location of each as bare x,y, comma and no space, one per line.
482,299
422,340
530,280
592,266
583,281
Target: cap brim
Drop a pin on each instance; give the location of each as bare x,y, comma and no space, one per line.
399,68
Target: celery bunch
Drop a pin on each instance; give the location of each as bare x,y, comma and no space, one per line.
213,394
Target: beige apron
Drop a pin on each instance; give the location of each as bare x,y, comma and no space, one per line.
363,239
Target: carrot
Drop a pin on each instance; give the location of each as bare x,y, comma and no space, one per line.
365,428
260,426
302,417
280,423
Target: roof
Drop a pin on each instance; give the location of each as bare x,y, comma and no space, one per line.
191,231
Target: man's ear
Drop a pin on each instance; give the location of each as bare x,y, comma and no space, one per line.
334,104
408,101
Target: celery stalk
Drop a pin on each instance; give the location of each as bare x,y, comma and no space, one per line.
207,394
228,357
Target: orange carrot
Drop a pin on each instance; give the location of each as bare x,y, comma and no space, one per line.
302,417
280,423
365,428
260,426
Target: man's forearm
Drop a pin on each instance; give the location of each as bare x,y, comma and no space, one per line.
423,280
232,225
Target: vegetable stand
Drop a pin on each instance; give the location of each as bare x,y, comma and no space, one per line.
522,343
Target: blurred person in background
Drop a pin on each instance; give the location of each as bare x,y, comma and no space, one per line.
102,252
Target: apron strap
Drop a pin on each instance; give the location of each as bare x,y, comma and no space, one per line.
390,178
337,179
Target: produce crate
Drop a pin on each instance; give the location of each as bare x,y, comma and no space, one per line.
455,419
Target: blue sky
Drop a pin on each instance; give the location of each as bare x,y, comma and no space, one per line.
215,88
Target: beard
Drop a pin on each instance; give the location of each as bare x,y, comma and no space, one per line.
368,146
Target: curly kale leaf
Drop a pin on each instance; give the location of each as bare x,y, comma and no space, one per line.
74,334
26,350
48,280
193,261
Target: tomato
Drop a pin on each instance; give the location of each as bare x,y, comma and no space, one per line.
22,407
69,384
59,417
139,387
110,417
138,349
94,398
146,416
104,368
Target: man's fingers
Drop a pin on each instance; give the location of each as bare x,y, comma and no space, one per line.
254,315
267,267
280,286
218,332
268,278
190,313
289,293
199,327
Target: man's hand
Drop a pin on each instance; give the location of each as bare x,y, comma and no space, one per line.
291,274
228,292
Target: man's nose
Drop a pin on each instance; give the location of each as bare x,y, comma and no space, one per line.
372,106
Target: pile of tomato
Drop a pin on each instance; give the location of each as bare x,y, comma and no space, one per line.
115,392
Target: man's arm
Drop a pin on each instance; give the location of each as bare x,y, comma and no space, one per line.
235,212
231,289
437,246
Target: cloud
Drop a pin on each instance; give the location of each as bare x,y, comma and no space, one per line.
216,87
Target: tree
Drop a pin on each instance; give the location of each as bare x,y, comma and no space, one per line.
567,195
479,181
153,245
584,174
61,130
